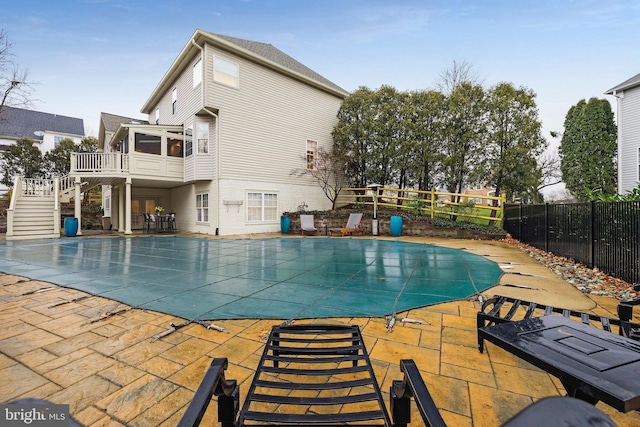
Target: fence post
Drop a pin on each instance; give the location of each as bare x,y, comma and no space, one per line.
433,202
546,227
520,221
592,228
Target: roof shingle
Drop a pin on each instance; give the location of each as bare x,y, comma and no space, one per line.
16,123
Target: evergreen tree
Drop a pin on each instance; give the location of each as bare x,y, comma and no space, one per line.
57,161
514,141
465,133
588,148
24,159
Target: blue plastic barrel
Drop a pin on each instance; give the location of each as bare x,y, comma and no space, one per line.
71,227
285,223
395,224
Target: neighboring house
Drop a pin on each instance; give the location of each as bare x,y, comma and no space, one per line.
628,116
46,129
227,124
473,191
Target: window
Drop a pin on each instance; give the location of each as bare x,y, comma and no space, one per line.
262,207
107,206
57,140
174,147
225,71
638,164
312,149
197,73
147,143
157,115
174,100
478,186
202,207
188,142
202,135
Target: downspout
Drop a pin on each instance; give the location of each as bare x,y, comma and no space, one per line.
202,106
619,140
217,168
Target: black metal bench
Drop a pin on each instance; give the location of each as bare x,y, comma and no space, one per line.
491,313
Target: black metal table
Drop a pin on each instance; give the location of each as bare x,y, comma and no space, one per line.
592,364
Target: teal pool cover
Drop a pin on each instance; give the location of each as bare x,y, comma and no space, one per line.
280,278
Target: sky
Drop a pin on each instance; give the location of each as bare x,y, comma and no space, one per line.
93,56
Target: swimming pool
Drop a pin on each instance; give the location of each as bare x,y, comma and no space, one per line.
279,278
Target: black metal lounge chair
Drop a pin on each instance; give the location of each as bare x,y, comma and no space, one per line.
500,309
320,376
317,375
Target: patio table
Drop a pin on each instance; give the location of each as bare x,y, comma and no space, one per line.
163,223
592,364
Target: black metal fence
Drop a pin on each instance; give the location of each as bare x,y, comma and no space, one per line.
605,235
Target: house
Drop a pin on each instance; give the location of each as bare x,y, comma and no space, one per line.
477,192
46,129
627,96
226,126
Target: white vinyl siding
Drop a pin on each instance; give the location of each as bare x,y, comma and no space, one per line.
629,140
262,207
265,122
189,100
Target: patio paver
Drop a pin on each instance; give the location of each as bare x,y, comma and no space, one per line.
110,372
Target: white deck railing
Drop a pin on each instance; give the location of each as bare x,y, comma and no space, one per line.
100,162
38,187
66,184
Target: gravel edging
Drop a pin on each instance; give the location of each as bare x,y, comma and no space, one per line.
587,280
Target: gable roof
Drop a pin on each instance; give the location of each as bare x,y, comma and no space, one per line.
271,53
16,123
627,84
112,122
261,53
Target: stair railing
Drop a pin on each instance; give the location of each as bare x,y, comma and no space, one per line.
65,184
56,206
37,187
17,184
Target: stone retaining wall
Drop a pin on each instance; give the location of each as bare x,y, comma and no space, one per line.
410,227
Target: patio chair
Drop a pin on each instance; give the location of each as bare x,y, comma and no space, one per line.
307,225
146,226
321,375
353,226
490,314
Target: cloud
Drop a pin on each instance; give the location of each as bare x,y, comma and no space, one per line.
366,25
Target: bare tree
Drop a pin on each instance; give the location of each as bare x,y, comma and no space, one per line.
15,87
457,74
549,165
328,169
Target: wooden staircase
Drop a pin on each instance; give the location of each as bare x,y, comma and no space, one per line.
34,211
